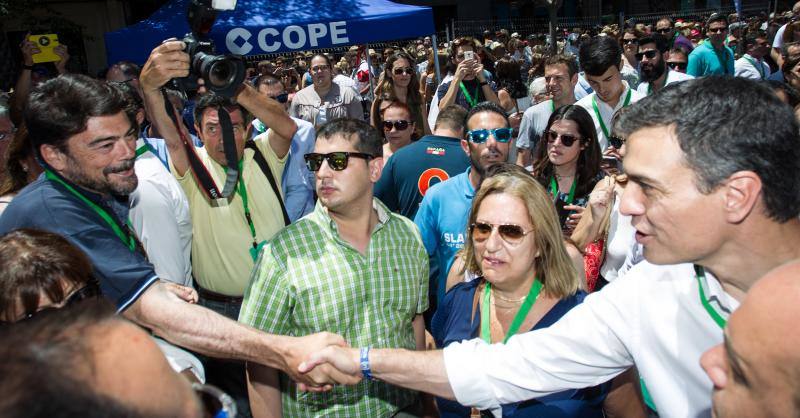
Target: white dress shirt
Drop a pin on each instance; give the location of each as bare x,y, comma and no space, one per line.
651,317
606,111
672,77
749,67
160,216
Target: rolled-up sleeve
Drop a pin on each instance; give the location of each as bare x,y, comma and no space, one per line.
590,345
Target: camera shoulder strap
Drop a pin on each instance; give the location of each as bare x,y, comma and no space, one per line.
264,166
199,171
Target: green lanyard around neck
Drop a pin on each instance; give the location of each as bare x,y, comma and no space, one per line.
519,318
552,106
124,235
470,100
756,64
554,189
242,190
600,118
702,283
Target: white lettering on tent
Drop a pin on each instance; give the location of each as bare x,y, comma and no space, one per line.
316,31
233,36
337,30
301,37
262,40
293,37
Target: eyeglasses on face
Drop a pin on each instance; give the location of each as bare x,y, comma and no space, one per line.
717,30
401,71
677,65
649,54
631,41
663,30
479,136
510,233
320,68
400,125
281,98
566,139
337,161
90,290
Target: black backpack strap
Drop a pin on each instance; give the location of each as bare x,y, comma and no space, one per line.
262,163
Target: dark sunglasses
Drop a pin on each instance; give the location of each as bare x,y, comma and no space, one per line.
663,30
400,125
649,54
717,30
337,161
510,233
630,41
281,98
567,140
677,65
616,142
91,290
401,71
479,136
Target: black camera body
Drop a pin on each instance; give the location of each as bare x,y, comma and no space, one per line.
222,74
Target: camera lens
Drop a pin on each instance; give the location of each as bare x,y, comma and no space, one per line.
220,72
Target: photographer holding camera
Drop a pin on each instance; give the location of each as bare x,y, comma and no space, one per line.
226,232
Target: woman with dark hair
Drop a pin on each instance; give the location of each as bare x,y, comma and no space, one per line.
567,162
21,167
399,83
629,41
511,89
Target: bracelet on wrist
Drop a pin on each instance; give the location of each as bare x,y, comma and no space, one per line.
364,363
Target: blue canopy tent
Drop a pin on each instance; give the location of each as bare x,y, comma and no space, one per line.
262,27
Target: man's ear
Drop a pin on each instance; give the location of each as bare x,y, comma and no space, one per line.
375,166
465,146
743,190
53,157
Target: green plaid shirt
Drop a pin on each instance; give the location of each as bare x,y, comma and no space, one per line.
307,280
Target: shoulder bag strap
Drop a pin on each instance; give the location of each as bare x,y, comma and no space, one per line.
264,166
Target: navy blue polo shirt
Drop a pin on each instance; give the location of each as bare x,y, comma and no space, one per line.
413,169
46,205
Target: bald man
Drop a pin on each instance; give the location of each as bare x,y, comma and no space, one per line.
756,370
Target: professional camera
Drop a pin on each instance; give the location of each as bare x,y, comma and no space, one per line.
223,74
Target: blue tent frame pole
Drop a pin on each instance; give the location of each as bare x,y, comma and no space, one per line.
436,58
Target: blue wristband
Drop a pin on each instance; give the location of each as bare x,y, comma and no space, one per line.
365,370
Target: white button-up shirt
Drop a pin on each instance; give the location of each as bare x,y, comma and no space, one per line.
606,111
652,318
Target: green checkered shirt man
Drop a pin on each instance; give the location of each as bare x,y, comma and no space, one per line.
307,280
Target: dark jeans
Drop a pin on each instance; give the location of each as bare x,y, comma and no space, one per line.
228,375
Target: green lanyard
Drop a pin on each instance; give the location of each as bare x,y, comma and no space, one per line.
554,189
470,101
126,237
519,318
242,190
600,118
759,68
552,106
650,85
700,275
144,148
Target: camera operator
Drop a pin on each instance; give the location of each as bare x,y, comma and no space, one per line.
226,234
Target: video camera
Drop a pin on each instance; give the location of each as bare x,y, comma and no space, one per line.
223,74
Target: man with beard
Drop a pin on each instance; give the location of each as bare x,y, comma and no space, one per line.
442,215
712,57
751,65
86,142
653,68
560,77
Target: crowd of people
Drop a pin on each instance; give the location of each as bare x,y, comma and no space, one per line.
609,229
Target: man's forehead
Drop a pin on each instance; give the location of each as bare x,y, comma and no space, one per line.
211,115
336,142
556,69
647,47
486,120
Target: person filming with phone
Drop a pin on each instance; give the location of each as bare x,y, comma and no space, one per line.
469,85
